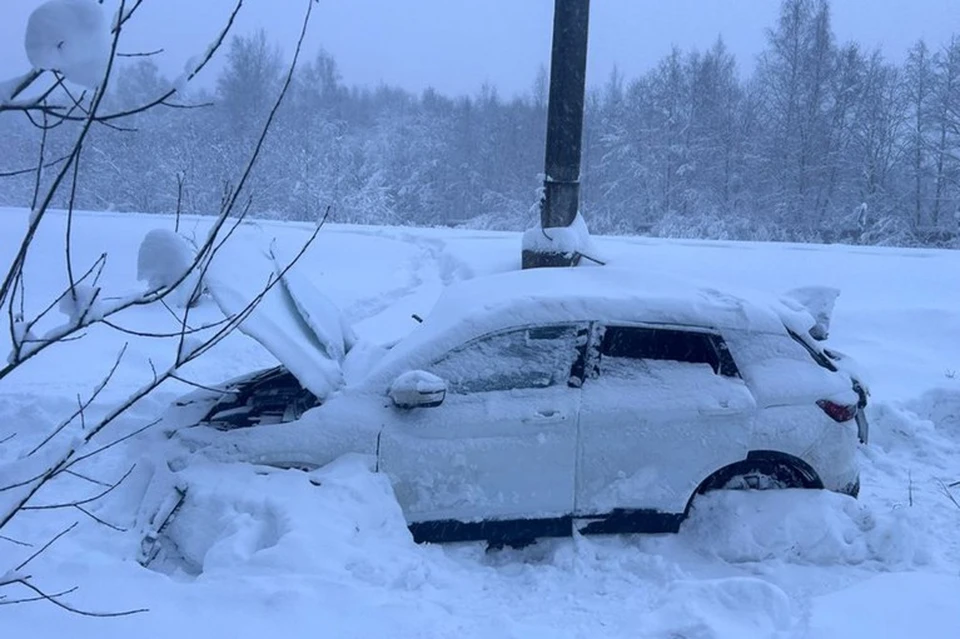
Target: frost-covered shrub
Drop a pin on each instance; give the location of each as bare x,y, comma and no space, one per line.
890,230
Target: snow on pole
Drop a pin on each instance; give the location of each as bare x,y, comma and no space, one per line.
72,37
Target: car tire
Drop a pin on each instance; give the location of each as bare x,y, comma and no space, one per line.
762,470
759,475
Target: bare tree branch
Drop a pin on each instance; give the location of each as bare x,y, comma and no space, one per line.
99,520
81,502
76,459
68,241
39,211
44,547
25,81
83,416
32,169
945,490
39,176
124,14
15,541
93,396
174,105
9,602
164,335
86,478
200,386
90,441
143,54
54,599
161,100
18,355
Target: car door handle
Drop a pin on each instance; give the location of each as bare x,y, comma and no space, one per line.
545,416
720,408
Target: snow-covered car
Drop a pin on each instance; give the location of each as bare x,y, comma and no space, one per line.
535,403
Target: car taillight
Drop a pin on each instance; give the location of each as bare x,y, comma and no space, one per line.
838,412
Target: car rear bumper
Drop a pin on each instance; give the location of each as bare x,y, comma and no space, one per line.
863,427
851,488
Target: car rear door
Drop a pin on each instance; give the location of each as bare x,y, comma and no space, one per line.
502,445
663,408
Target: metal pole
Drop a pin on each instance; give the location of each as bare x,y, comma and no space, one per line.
568,69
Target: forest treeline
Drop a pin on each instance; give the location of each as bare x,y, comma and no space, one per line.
823,141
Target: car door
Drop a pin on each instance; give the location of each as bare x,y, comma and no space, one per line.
663,408
502,445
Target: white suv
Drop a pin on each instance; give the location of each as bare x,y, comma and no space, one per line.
533,403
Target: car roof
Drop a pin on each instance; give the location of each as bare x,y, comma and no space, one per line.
472,308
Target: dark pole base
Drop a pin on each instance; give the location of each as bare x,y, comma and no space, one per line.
547,259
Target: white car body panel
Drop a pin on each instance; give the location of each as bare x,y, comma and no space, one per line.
498,455
652,452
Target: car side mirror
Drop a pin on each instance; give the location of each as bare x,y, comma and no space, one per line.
418,389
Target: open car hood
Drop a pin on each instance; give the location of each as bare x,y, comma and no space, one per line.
294,321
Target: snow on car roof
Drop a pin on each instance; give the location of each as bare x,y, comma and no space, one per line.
467,310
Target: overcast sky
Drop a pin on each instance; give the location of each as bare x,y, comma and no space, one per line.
456,45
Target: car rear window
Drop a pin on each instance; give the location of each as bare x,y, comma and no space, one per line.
668,344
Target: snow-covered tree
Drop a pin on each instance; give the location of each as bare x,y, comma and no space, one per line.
74,41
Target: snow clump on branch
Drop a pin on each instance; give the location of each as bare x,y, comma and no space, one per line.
72,37
163,259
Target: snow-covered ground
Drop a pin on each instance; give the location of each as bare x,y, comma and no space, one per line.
327,554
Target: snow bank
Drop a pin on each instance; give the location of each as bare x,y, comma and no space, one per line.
899,317
890,605
72,37
924,429
714,608
810,527
942,407
341,521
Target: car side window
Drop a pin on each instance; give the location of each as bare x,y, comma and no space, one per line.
621,347
532,357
